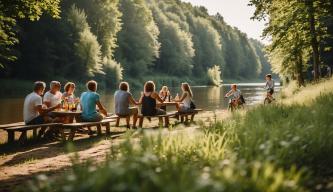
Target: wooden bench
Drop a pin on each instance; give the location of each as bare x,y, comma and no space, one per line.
160,117
23,129
73,127
118,117
184,116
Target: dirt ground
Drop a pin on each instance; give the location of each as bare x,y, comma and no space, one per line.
19,164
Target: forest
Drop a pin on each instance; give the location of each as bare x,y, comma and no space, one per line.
135,40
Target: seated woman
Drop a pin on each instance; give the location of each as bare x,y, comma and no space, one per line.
70,99
184,103
148,100
123,98
165,96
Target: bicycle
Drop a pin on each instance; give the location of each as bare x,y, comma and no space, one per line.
235,105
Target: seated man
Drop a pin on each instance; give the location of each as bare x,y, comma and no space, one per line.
235,94
89,101
33,112
53,96
123,98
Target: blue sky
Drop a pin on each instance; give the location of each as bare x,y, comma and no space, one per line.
236,13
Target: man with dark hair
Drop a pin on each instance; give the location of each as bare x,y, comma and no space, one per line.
33,111
123,98
89,100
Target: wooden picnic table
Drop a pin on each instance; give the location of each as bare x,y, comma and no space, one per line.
69,115
167,103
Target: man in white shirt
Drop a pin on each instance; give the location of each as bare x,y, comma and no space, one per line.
53,96
33,112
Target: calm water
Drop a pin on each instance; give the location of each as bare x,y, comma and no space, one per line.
208,98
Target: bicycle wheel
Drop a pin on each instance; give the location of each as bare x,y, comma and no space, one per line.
267,101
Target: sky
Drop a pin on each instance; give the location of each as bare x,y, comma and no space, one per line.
236,13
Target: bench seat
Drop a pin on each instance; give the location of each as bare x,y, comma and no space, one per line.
75,126
166,118
24,128
184,115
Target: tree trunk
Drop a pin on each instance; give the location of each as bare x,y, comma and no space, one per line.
299,70
314,42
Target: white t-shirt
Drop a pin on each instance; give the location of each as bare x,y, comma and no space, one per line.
29,109
54,99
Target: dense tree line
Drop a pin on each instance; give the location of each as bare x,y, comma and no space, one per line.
301,32
114,39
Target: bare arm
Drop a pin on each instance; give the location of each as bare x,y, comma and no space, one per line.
132,101
155,96
182,98
101,108
47,103
228,94
42,111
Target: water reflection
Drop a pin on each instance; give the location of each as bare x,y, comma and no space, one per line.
208,98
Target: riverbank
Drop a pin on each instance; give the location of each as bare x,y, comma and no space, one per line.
15,88
282,147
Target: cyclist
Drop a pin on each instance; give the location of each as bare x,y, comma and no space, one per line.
269,86
236,96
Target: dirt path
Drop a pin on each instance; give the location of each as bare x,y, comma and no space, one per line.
23,164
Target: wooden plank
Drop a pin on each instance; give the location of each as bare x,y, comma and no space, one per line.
30,127
12,125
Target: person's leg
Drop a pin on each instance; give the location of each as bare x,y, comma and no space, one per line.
134,111
36,121
160,112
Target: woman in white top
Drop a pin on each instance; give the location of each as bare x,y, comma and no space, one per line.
184,103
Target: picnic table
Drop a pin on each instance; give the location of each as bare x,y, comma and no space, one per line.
69,116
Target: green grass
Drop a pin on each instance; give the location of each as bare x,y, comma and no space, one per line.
282,147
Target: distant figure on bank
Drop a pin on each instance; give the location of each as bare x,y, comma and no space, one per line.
184,103
270,84
53,96
329,71
165,96
235,95
89,100
33,111
148,100
123,98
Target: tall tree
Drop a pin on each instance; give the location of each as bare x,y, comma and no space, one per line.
138,44
11,12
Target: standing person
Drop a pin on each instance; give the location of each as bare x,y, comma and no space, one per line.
235,95
33,111
329,71
89,100
123,98
53,96
148,100
184,103
165,96
270,84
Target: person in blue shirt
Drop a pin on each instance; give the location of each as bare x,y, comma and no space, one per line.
89,100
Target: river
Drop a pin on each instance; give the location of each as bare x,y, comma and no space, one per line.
207,98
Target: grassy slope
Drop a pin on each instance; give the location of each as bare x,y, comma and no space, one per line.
270,148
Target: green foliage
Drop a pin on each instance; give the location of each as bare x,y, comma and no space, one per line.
11,12
214,75
131,40
138,44
87,47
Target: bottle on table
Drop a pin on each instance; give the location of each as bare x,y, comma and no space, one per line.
177,97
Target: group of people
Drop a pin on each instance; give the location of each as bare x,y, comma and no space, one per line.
38,106
236,97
